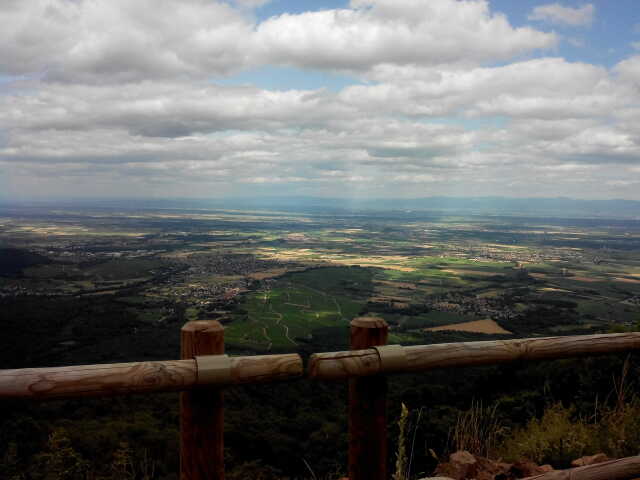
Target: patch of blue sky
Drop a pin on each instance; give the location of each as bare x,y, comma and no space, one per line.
5,83
15,84
272,77
6,79
605,42
278,7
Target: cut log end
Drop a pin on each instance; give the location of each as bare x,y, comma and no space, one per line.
202,325
369,322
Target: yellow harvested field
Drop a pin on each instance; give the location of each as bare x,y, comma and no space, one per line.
182,254
382,299
383,258
489,294
301,254
400,305
404,285
368,262
584,279
299,237
477,326
343,240
286,255
502,245
272,273
297,251
626,280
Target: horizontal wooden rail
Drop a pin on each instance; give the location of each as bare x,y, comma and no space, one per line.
360,363
141,377
622,469
202,411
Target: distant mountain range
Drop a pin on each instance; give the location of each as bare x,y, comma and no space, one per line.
555,207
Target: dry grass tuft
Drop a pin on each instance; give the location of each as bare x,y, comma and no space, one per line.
478,430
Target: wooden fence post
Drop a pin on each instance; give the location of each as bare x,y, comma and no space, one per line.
201,410
368,407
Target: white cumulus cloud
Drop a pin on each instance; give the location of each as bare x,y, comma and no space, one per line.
559,14
119,40
375,32
104,41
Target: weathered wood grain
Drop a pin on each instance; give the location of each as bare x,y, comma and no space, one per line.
137,377
265,368
341,365
98,380
368,408
202,409
622,469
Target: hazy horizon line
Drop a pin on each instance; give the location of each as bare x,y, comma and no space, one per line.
51,199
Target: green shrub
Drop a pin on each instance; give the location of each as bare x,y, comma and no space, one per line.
618,429
556,438
60,461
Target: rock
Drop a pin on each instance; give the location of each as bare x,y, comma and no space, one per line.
526,468
461,465
490,470
590,460
462,457
436,478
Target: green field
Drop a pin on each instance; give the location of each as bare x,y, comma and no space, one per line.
286,315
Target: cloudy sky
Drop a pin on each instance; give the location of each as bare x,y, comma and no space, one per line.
380,98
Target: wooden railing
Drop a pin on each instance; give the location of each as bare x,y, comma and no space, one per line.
204,371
